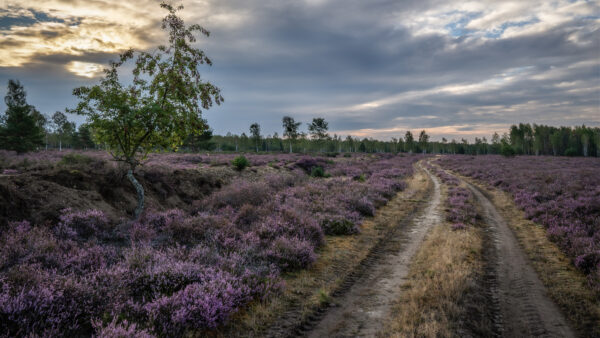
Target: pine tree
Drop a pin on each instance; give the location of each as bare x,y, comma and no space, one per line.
20,130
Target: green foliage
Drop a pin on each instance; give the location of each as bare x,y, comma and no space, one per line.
361,178
255,132
83,138
324,297
571,152
163,104
240,162
21,128
347,155
507,150
318,129
201,141
332,154
290,129
338,227
318,172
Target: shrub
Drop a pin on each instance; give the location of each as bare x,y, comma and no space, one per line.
317,172
347,155
240,192
307,163
571,152
506,150
291,253
240,162
83,224
364,206
199,305
339,227
334,154
588,262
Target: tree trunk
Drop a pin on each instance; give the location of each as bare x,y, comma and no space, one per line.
59,145
140,194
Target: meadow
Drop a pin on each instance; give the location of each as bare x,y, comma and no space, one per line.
175,271
561,194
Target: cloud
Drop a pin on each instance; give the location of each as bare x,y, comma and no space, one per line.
370,68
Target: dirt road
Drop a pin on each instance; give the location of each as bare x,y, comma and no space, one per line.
521,305
524,308
361,311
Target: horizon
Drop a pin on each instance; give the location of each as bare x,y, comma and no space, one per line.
455,69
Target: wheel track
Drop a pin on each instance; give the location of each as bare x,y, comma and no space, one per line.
518,296
367,299
291,324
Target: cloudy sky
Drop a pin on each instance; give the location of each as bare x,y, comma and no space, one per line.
371,68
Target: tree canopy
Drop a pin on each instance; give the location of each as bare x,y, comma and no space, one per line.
21,127
162,106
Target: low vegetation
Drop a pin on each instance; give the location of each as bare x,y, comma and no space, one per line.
173,272
437,298
561,194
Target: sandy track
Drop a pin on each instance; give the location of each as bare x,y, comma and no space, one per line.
362,310
524,309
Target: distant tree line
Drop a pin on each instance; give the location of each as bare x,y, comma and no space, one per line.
23,128
522,139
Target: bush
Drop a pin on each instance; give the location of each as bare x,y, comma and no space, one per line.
571,152
291,253
338,227
317,172
240,162
332,154
347,155
507,151
363,206
83,224
307,163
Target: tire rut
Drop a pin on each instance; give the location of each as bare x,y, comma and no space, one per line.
522,307
366,303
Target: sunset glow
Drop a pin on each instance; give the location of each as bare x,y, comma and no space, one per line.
478,64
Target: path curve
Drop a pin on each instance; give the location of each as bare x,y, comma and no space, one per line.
524,307
362,310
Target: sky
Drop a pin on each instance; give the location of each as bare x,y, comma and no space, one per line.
376,68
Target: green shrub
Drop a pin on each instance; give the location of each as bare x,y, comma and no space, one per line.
333,154
318,172
347,155
338,227
571,152
240,162
361,178
506,150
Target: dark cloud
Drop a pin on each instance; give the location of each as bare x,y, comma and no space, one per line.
374,65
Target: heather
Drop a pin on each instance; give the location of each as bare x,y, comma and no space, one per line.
562,194
459,201
175,272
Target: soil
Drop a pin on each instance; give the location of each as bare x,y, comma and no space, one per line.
39,196
519,301
524,309
362,310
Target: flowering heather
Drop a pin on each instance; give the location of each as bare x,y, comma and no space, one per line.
459,204
178,273
562,194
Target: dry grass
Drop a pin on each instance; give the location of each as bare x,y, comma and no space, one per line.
566,286
443,271
307,289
